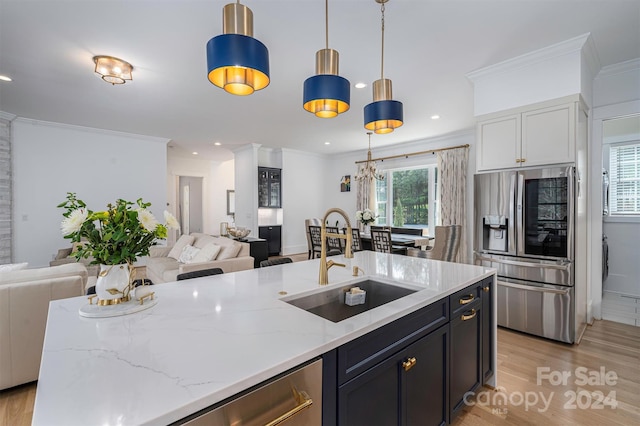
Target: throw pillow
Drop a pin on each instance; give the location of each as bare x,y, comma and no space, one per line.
13,267
183,241
229,252
207,253
188,253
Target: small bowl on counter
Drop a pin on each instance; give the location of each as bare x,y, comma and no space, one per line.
239,234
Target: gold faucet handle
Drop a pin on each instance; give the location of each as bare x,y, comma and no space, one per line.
331,263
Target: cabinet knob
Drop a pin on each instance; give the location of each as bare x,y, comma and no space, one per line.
468,299
486,289
409,363
470,316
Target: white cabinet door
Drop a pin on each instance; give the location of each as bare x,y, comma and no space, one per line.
499,143
548,136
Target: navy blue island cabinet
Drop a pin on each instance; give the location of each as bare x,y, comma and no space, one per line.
415,370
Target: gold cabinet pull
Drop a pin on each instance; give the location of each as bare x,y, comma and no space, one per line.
486,289
470,316
470,298
518,160
522,160
302,400
409,363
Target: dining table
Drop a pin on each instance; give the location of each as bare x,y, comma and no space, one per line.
407,240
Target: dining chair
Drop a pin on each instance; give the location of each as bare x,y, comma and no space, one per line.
356,241
307,222
446,245
334,245
200,273
381,242
275,261
407,231
315,232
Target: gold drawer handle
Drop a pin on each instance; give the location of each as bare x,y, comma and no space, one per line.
470,316
408,364
469,299
302,400
486,289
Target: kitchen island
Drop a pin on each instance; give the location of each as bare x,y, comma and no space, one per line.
210,338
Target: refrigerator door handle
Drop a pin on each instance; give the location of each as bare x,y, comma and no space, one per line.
563,266
534,288
512,217
520,214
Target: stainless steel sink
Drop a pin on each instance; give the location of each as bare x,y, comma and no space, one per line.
329,304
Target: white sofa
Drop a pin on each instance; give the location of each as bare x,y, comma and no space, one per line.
162,269
24,305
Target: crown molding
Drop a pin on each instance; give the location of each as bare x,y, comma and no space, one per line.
619,68
246,147
590,54
559,49
34,122
7,116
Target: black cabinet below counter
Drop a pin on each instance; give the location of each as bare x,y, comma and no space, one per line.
258,249
273,235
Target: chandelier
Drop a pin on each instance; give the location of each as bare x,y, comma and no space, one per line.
368,171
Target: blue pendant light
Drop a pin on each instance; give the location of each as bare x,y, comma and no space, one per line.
237,62
384,114
326,94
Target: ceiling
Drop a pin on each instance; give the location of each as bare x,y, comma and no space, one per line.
47,48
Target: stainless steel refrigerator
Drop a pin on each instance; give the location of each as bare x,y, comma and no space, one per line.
524,227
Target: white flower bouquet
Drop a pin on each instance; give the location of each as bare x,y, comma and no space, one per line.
365,216
115,236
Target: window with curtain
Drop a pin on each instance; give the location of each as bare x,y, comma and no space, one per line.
407,198
624,177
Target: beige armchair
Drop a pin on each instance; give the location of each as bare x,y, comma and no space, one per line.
24,306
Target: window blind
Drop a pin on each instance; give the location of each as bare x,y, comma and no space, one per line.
624,169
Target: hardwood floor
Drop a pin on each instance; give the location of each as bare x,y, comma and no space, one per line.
609,351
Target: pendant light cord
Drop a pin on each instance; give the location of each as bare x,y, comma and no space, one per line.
326,22
382,56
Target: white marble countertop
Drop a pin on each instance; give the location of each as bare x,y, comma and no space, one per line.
210,338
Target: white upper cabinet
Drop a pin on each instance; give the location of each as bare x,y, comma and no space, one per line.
537,135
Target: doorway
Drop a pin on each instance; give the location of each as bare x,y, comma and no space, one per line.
190,212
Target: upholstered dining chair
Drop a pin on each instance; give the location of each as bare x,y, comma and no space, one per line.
445,247
311,222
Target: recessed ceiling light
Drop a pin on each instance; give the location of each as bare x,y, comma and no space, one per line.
194,153
327,143
217,143
5,78
360,85
435,117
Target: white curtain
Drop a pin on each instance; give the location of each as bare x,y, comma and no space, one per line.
452,188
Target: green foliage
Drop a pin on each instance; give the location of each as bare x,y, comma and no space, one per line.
114,236
398,214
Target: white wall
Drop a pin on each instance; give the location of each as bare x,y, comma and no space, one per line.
100,166
304,179
616,93
217,178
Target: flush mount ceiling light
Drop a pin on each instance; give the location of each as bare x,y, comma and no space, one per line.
326,94
113,70
383,115
237,62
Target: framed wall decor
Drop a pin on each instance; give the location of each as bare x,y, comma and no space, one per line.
231,202
345,183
